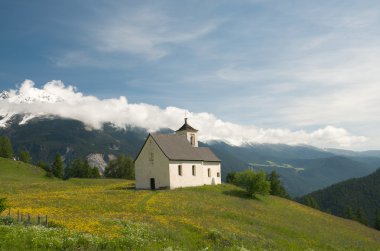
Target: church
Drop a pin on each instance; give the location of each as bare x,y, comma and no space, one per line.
168,161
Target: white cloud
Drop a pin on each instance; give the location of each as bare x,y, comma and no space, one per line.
76,58
54,98
145,32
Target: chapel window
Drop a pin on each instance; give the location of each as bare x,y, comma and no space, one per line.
151,157
192,139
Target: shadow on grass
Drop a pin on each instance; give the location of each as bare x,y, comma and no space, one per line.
241,194
237,193
131,187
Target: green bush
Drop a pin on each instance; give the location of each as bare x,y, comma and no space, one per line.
3,204
25,157
253,182
218,239
7,220
230,178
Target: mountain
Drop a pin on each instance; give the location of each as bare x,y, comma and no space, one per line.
357,194
44,137
40,96
371,153
108,214
303,168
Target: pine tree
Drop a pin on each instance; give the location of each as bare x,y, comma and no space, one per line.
122,167
25,157
361,217
311,202
377,219
95,173
57,167
276,187
349,213
6,150
81,169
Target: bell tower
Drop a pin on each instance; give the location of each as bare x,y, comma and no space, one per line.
190,133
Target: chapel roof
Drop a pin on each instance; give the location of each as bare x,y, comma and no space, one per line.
187,127
177,147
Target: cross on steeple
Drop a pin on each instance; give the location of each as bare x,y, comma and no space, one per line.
185,117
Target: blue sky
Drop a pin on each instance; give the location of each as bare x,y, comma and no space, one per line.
295,65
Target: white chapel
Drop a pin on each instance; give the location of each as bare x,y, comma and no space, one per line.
175,160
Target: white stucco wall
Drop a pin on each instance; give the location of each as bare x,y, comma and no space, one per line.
187,178
146,168
214,169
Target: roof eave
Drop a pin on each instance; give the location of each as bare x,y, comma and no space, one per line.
195,160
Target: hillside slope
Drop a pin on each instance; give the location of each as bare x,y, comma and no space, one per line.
359,193
218,217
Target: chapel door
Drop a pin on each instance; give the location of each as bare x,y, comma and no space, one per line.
152,184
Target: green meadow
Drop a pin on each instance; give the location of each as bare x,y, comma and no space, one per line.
108,214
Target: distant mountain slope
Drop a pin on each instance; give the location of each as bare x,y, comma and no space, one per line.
358,193
371,153
319,173
43,138
303,169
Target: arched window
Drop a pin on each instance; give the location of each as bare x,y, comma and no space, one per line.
192,139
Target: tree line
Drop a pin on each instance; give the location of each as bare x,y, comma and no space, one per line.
6,151
357,214
120,167
258,183
355,199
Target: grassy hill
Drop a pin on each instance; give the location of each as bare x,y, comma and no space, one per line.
110,214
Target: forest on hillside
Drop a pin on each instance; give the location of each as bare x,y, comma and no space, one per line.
357,199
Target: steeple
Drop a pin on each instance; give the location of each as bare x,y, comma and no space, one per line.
189,132
187,127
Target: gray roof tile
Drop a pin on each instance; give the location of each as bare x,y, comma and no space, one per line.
177,147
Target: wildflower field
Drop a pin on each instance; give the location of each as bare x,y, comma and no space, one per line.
108,214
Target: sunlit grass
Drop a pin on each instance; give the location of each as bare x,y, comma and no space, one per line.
218,217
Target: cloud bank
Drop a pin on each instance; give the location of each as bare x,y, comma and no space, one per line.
56,99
